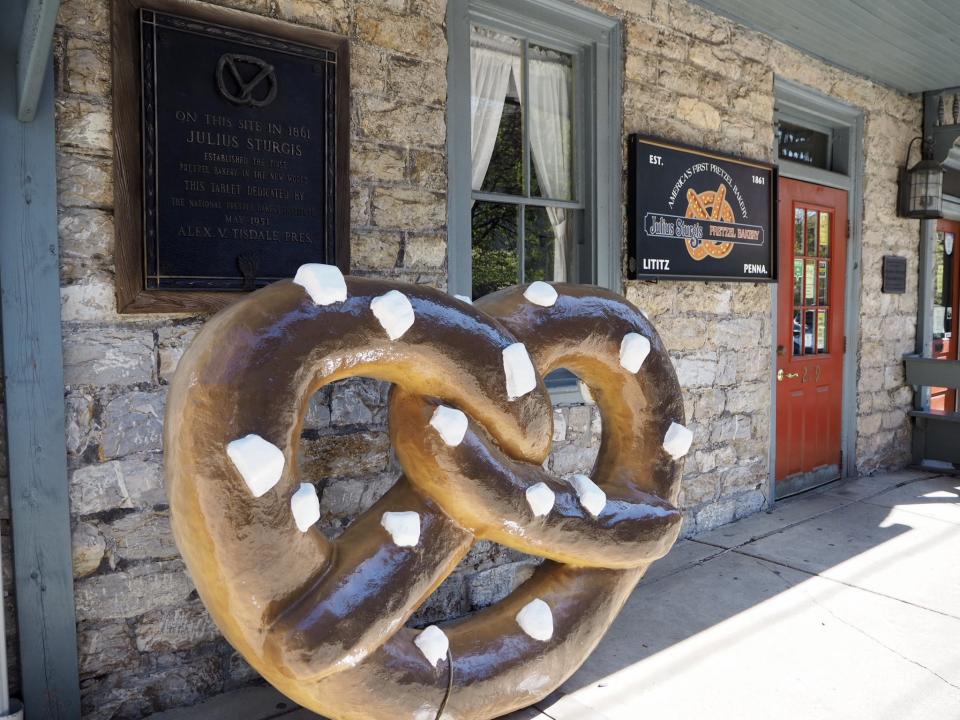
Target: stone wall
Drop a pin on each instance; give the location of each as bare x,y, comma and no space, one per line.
699,79
146,642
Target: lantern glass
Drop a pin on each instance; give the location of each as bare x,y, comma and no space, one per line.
926,190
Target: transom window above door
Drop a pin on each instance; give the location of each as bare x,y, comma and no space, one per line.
534,144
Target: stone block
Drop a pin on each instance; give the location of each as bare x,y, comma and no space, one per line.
84,126
88,66
88,549
91,300
171,629
397,122
375,250
132,423
132,592
425,251
407,34
108,356
132,482
140,536
350,455
84,17
104,648
358,400
408,208
487,587
377,163
84,181
428,169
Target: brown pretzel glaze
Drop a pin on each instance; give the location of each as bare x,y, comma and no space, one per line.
323,620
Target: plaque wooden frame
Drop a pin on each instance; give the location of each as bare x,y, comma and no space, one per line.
132,295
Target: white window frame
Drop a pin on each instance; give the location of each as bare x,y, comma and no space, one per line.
564,25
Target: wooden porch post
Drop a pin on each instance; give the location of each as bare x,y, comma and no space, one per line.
33,364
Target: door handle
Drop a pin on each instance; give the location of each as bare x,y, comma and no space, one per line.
781,375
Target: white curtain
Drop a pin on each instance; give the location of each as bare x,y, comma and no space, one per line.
550,141
490,71
494,59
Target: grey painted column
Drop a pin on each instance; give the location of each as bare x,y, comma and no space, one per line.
928,229
33,362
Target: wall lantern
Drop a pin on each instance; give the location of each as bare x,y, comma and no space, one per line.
921,187
948,243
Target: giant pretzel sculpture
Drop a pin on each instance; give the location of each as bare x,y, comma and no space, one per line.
471,424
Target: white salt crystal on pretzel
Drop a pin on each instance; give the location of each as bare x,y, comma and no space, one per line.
634,349
521,377
260,463
541,293
540,498
592,497
305,506
677,441
433,643
324,283
404,527
450,423
536,620
394,311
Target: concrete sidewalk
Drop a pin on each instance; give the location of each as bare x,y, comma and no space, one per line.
841,603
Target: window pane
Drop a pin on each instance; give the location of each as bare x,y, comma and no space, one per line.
797,333
551,123
808,330
824,234
810,286
798,231
811,232
822,331
803,145
549,245
496,119
496,236
823,295
798,282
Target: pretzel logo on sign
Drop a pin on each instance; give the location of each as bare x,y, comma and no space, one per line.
709,205
471,424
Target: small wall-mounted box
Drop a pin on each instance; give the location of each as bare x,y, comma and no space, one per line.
894,274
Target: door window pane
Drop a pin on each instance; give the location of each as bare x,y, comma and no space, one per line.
943,283
824,234
822,331
798,231
810,286
496,113
797,282
797,333
809,317
496,237
811,232
551,106
822,288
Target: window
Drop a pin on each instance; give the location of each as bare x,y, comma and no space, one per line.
533,144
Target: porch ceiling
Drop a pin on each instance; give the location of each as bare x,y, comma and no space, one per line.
911,45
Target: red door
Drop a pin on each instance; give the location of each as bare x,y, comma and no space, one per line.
810,343
946,305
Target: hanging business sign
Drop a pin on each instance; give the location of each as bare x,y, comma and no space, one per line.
700,215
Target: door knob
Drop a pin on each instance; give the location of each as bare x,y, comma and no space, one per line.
781,375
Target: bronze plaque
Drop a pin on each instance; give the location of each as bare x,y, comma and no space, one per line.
242,174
